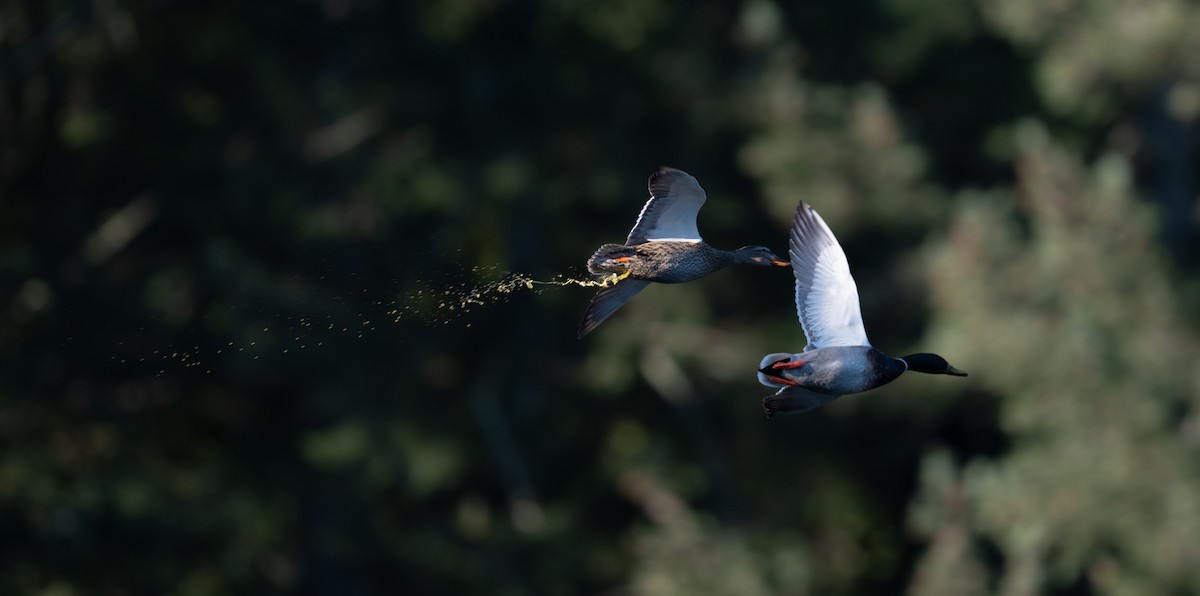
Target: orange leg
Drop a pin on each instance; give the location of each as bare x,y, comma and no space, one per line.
785,364
783,381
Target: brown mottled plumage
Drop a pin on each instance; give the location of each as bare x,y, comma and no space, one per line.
664,246
662,262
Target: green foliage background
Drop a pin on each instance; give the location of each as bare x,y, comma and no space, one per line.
211,214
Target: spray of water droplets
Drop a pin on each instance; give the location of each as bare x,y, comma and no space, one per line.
431,304
289,335
441,306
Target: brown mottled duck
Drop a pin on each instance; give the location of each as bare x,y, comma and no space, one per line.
664,246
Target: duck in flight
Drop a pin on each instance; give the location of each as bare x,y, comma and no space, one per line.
838,359
664,246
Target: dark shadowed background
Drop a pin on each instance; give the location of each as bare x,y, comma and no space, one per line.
231,234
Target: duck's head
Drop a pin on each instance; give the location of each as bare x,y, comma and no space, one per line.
931,364
758,255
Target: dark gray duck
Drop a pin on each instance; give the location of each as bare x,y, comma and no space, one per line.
664,246
838,359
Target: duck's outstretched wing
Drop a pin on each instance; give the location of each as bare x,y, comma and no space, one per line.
670,214
794,400
826,296
607,301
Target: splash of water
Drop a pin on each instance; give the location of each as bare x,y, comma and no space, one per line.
453,302
520,279
435,304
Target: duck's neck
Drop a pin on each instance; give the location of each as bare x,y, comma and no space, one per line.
737,257
920,363
886,368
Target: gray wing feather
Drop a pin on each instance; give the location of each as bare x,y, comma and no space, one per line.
794,400
670,214
607,301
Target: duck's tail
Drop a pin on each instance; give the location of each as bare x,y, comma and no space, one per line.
611,258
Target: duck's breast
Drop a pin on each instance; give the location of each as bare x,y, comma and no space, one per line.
848,369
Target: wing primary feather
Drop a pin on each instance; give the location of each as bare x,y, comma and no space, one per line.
795,400
826,296
607,301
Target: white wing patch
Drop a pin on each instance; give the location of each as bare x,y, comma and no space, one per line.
832,316
826,295
670,214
